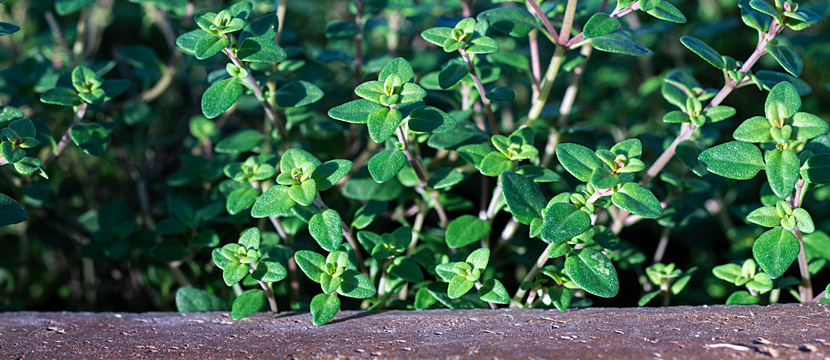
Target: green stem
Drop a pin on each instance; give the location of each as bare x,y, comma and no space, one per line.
547,85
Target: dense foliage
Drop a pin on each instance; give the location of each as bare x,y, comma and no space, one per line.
405,154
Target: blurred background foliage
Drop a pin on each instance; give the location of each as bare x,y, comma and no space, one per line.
100,235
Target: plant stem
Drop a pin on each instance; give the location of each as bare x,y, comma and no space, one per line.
269,110
422,179
688,129
806,288
347,233
567,22
547,85
661,247
491,209
567,105
535,68
482,93
79,116
161,19
384,278
272,301
541,15
819,296
531,274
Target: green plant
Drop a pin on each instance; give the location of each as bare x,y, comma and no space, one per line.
469,186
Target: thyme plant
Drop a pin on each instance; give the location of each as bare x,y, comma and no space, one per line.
470,185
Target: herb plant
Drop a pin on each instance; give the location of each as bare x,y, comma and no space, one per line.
415,155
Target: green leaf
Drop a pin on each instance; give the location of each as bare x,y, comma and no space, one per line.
61,96
600,24
735,160
249,239
638,200
764,7
704,51
564,221
239,142
311,263
466,230
482,45
324,308
620,42
12,155
666,11
493,291
451,75
719,113
753,130
437,36
384,165
28,165
269,271
782,171
340,30
92,138
209,45
407,269
356,111
187,42
6,28
787,58
366,214
742,298
523,197
479,258
775,250
761,283
330,172
428,119
769,79
272,202
382,124
592,271
766,216
241,199
501,94
298,93
220,96
511,20
234,272
808,126
645,299
248,303
261,49
356,285
578,160
782,102
728,272
816,170
804,220
325,228
66,7
361,186
10,211
459,286
495,163
190,299
304,192
603,178
398,66
444,178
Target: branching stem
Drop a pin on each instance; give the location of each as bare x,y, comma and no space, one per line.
422,179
